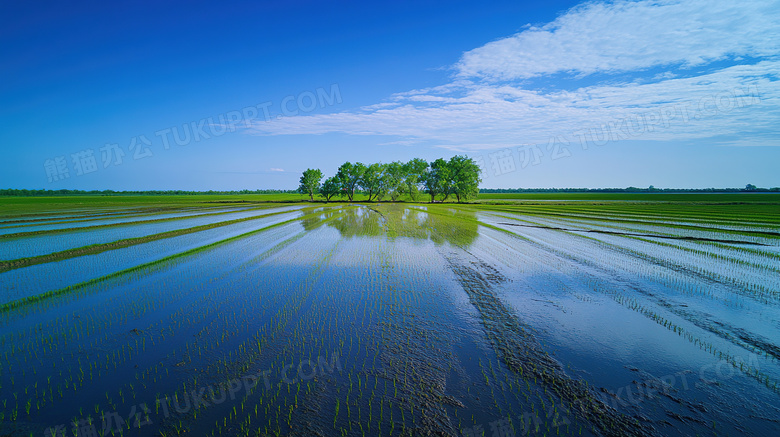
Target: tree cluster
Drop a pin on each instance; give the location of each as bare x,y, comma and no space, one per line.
458,177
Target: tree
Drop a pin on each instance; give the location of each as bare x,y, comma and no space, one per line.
393,179
750,187
349,176
414,175
372,181
464,174
330,188
445,177
436,179
310,182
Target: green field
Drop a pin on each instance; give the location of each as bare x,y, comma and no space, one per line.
638,197
17,204
554,314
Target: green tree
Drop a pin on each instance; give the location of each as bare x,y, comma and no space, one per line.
414,173
393,179
437,179
349,176
464,176
372,181
310,182
331,187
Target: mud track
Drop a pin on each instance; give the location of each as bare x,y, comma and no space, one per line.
523,354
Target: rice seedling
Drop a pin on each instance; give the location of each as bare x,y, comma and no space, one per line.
387,320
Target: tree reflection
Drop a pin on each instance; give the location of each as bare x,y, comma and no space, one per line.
438,224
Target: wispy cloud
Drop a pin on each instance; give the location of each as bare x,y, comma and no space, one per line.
276,169
628,36
490,103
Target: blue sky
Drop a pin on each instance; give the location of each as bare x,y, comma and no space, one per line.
208,95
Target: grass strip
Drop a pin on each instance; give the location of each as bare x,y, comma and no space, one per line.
107,216
119,244
748,233
633,234
52,293
112,225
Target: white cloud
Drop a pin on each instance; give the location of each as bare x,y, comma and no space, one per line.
628,36
493,117
472,113
276,169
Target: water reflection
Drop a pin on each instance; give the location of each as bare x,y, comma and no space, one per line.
440,224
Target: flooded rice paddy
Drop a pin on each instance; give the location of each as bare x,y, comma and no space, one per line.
392,319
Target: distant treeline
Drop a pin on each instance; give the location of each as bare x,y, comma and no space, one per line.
747,189
15,192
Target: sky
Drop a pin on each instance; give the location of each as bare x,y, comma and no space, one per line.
247,95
